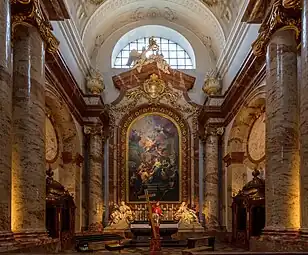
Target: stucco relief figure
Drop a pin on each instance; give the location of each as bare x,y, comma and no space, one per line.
120,217
187,217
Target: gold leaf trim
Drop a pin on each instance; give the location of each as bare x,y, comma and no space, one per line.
280,18
29,12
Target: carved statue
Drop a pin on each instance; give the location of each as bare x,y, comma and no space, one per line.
120,217
126,212
138,60
187,217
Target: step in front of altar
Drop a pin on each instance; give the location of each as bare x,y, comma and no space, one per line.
164,243
142,234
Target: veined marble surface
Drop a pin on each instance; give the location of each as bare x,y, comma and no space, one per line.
28,158
282,148
5,117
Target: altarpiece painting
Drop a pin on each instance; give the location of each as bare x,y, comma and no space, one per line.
153,158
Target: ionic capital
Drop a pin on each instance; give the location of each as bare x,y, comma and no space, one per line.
211,131
283,15
93,130
29,12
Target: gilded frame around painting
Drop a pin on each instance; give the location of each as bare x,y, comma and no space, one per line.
184,143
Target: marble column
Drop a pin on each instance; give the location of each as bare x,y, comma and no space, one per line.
5,121
95,199
211,179
31,38
282,148
28,157
304,122
236,175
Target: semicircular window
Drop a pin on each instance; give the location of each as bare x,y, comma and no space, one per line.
173,53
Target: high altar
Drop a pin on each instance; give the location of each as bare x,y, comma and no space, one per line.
153,139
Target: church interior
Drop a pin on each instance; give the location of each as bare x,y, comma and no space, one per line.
154,127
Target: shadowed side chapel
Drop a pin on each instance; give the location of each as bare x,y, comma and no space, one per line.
153,127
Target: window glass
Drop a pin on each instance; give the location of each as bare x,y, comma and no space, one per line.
173,53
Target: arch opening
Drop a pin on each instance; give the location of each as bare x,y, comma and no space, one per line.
176,49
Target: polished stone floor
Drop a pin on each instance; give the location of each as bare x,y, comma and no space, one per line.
167,251
219,247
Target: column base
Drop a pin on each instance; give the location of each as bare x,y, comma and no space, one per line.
6,238
31,236
96,227
279,240
303,232
278,232
216,228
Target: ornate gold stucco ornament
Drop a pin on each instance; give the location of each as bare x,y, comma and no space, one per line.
154,86
95,82
291,4
211,85
29,12
153,89
280,18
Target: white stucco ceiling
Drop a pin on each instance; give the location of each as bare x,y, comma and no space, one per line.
210,20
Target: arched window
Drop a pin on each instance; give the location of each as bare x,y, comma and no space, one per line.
173,53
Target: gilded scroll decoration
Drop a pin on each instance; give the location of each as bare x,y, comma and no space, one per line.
291,4
29,11
280,18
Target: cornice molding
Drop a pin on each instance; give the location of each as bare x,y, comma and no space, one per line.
83,107
200,10
235,39
71,34
234,158
250,75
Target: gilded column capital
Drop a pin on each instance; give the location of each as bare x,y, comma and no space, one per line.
93,130
283,16
29,12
